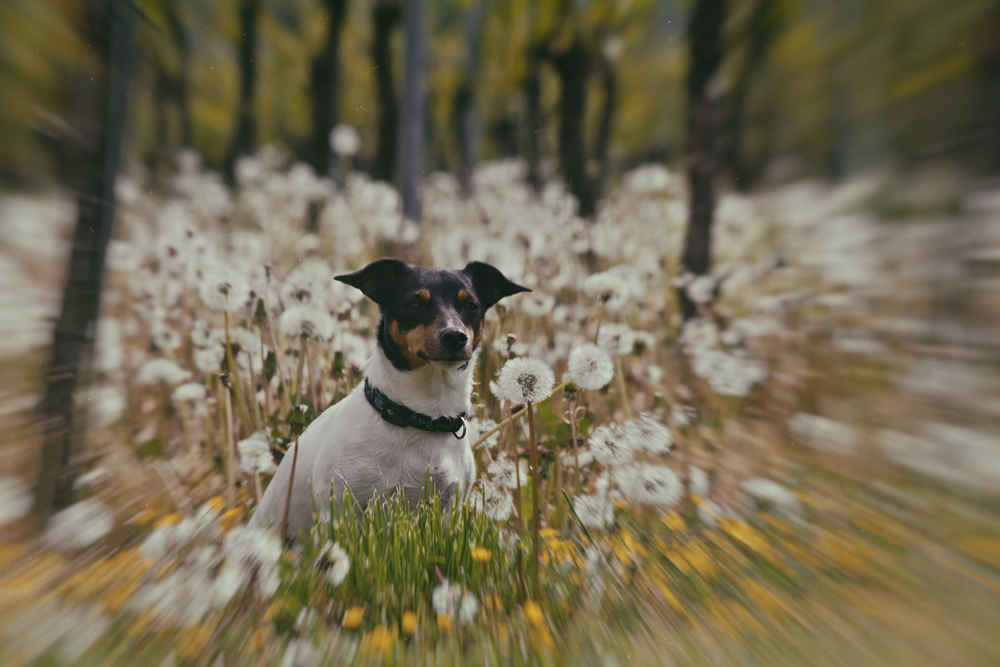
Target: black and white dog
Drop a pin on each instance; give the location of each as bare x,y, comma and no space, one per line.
406,419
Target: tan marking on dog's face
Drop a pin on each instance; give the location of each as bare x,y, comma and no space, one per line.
476,334
424,295
462,296
411,343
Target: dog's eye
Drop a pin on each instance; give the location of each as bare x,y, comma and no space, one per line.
471,306
416,304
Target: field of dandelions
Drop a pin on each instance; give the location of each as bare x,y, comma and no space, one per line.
762,485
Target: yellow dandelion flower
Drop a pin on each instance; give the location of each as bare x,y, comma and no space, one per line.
409,622
533,613
492,602
168,520
258,639
217,503
353,617
379,639
482,555
547,533
272,612
144,517
675,522
444,621
230,518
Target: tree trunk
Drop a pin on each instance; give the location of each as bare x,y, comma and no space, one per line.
112,36
609,80
573,67
760,31
245,138
182,84
705,42
533,117
467,118
385,16
411,121
325,87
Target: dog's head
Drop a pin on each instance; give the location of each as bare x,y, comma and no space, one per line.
430,315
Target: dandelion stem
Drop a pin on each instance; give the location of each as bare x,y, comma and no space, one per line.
230,361
286,395
514,416
291,483
256,486
297,380
621,386
264,382
600,318
517,470
536,517
227,452
576,448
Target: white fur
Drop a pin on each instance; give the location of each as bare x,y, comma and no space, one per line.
351,443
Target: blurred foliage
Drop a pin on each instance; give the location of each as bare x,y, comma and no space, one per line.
838,87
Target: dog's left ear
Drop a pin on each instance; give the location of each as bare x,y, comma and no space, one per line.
377,279
490,284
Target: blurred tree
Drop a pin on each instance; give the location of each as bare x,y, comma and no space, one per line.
705,45
245,136
386,15
412,125
325,84
110,31
467,123
171,56
766,19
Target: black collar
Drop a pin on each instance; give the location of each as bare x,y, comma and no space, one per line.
400,415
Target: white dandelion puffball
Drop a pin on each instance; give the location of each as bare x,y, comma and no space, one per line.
307,321
224,290
15,499
594,511
647,484
255,454
526,380
494,501
339,561
617,339
189,392
646,433
590,366
504,473
345,140
537,304
479,428
79,525
607,288
156,371
701,289
609,446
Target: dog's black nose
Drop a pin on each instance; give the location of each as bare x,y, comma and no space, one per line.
454,339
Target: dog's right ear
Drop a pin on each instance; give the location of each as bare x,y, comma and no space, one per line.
377,279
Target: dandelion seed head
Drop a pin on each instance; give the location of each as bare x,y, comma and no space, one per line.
648,484
79,525
647,433
156,371
255,454
701,289
609,445
335,559
189,392
307,321
223,289
616,339
526,380
15,499
608,288
595,511
537,304
590,366
504,472
345,140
